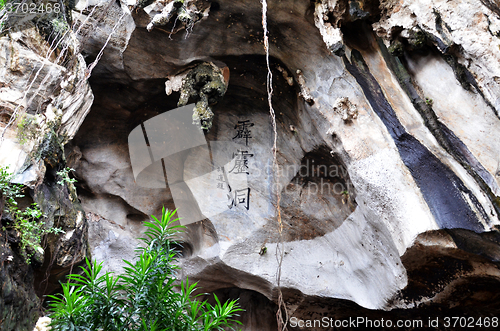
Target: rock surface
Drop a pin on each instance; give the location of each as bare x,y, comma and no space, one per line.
387,145
44,98
402,161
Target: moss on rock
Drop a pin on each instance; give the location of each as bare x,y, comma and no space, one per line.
50,149
417,39
205,85
396,48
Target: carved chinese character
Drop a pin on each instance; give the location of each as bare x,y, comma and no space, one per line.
241,162
239,197
242,130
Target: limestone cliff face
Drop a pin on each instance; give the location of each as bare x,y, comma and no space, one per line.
387,143
44,98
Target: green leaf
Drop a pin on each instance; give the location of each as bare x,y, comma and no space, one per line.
142,297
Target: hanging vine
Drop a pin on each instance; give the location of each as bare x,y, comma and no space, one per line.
281,314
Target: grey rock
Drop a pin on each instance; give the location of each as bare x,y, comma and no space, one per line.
345,231
388,163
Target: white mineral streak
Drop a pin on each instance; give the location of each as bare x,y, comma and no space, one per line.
332,36
470,24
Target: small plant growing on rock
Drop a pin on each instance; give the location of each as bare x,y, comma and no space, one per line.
27,221
65,176
143,297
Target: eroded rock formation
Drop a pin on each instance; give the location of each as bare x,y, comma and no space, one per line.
388,147
44,98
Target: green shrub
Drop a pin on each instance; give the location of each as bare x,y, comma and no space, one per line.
143,297
27,221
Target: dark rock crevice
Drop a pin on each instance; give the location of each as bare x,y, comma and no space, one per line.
423,42
321,183
459,275
492,5
442,189
20,306
66,251
445,137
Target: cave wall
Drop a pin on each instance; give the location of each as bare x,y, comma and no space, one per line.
416,141
395,99
418,149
